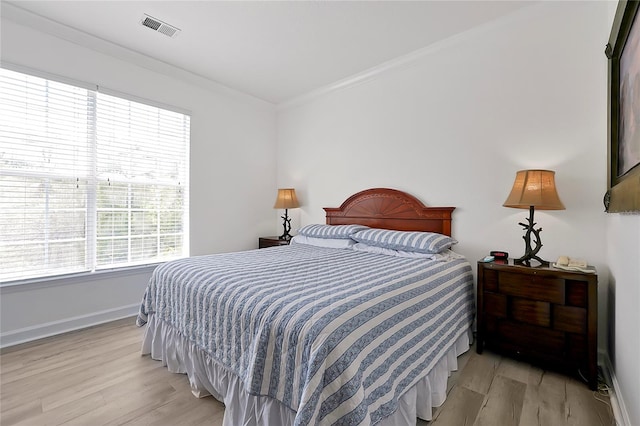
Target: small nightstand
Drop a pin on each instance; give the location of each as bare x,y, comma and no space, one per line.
540,314
264,242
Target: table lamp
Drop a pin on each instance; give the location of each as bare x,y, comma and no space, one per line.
286,200
533,189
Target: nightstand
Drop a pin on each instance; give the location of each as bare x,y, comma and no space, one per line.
264,242
540,314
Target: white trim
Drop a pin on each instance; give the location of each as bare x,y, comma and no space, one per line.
90,86
404,61
618,406
47,75
52,328
69,279
138,99
15,13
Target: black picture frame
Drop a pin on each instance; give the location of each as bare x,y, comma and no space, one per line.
623,178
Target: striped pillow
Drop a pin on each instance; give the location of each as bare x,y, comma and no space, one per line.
420,242
331,231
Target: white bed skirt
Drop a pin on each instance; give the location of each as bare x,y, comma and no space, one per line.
208,377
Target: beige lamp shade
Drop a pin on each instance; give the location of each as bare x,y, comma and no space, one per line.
535,188
286,199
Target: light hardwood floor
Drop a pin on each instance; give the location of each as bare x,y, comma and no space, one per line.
97,377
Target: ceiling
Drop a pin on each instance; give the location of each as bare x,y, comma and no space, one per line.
276,51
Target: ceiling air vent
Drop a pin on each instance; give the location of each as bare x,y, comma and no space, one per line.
159,26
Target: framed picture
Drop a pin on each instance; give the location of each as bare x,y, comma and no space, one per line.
623,51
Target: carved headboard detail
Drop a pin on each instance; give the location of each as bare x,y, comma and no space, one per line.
390,209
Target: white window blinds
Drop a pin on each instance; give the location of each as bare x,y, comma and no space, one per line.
87,181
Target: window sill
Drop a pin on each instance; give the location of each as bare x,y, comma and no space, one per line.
59,280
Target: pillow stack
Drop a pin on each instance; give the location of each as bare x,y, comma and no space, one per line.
383,241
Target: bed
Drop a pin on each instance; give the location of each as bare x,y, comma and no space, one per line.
306,334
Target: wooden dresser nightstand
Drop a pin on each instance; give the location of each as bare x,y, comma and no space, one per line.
264,242
540,314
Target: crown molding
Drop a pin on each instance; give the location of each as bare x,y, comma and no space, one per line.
408,60
13,12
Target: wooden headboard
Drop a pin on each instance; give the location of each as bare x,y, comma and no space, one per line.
390,209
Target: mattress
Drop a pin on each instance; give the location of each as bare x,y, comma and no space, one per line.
329,336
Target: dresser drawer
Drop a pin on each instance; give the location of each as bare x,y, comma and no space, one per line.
530,340
570,319
531,312
530,286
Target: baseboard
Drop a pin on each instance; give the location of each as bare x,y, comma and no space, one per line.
52,328
615,395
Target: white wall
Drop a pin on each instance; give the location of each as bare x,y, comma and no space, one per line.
453,126
623,244
232,187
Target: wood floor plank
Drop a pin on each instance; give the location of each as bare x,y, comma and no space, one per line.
545,402
97,376
479,372
68,389
20,413
520,371
461,408
184,409
58,385
63,413
65,361
124,405
584,409
503,403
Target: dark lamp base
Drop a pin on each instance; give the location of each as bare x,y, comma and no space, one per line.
286,224
531,253
527,262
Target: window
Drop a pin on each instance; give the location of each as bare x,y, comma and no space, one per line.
88,181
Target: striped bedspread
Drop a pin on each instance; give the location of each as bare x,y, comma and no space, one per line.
336,335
